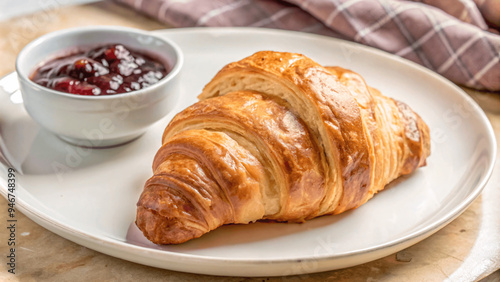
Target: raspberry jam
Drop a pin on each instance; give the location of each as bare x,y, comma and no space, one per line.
103,70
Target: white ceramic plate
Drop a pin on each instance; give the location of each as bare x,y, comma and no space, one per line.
88,196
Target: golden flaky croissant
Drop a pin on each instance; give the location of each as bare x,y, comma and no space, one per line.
277,136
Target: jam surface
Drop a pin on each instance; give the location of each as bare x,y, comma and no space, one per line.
103,70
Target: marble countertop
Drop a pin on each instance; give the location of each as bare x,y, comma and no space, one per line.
465,250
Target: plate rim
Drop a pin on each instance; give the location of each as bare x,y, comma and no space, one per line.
418,235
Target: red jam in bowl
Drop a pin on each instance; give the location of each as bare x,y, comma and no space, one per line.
103,70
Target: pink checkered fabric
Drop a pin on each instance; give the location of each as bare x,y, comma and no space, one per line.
450,37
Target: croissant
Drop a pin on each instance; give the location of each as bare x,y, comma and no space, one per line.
276,136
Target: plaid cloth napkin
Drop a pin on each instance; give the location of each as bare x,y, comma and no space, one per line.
455,38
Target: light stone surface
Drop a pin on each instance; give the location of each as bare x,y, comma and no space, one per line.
465,250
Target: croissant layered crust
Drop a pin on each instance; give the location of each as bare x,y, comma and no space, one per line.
328,109
277,136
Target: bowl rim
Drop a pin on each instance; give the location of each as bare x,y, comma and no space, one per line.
179,58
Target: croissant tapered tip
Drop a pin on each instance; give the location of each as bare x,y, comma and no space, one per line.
164,230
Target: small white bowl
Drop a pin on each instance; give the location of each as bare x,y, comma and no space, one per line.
98,121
